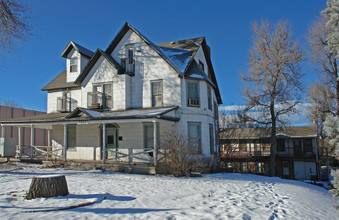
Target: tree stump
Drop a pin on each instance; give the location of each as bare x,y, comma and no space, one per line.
48,186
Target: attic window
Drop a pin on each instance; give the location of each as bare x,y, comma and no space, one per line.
128,63
73,64
201,64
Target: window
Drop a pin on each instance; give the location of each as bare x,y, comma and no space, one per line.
128,62
71,136
201,64
257,146
149,134
209,97
280,144
194,136
101,97
266,147
64,102
242,145
211,138
156,87
193,98
297,147
308,145
73,64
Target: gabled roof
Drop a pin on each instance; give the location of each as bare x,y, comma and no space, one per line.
59,82
92,62
79,48
122,33
180,56
193,45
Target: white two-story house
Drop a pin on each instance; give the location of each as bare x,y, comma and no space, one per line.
122,100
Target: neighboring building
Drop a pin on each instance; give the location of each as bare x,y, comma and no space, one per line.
119,102
248,150
12,132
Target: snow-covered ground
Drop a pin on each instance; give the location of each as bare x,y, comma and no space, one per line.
130,196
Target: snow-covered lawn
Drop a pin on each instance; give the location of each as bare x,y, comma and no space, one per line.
130,196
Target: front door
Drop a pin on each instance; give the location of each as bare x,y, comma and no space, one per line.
111,142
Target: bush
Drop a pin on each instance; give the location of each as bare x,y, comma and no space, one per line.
176,157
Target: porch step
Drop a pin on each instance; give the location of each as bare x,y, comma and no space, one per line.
8,159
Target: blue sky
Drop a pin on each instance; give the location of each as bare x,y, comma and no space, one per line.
93,24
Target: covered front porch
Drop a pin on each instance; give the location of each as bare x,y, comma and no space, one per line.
130,137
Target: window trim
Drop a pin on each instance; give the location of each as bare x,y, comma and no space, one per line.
190,123
147,125
102,85
128,62
209,97
71,128
198,94
162,93
73,65
211,135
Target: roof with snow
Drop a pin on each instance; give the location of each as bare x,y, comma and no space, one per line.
82,50
178,54
84,114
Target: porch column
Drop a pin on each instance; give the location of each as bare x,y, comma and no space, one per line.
18,149
155,142
2,131
48,145
104,143
32,140
65,142
48,138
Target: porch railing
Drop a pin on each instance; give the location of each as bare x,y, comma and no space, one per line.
38,152
131,155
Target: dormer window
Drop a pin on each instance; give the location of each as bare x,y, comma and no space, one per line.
73,67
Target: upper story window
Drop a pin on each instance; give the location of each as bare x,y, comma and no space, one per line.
128,63
280,144
307,144
209,97
156,93
101,96
202,66
73,67
193,97
65,103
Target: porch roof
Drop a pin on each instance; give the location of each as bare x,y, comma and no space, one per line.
257,133
84,114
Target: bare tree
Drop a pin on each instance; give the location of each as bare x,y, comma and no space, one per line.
322,99
326,64
272,84
13,23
